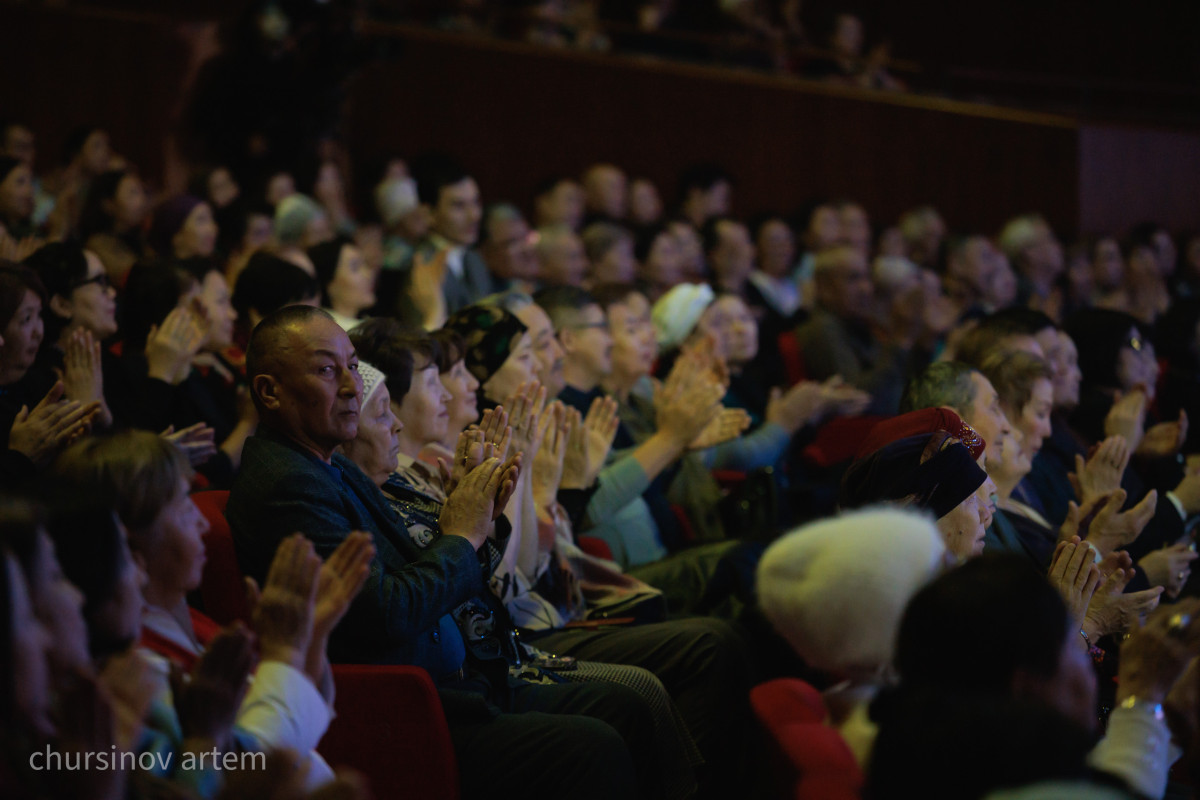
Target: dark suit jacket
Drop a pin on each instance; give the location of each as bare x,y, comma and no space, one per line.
282,489
476,283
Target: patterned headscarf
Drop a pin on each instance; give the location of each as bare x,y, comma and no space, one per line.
927,420
489,334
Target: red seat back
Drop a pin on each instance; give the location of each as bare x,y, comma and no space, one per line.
595,546
839,439
816,761
792,357
390,726
222,593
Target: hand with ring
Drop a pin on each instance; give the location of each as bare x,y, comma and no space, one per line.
1156,654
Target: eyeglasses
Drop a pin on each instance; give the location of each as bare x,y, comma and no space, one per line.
100,280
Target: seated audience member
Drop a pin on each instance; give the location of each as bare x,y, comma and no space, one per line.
705,193
347,282
415,417
216,186
604,193
80,314
558,202
1037,257
182,227
923,230
996,691
610,256
292,699
837,340
775,287
835,590
855,226
37,415
691,251
561,258
729,253
1108,273
16,198
329,190
645,204
933,472
267,284
405,222
112,220
508,248
308,392
978,276
660,260
300,223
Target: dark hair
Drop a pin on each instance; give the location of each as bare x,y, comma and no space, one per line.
76,139
710,234
1142,235
1013,376
645,239
93,218
548,185
15,280
60,266
973,628
561,302
7,165
88,544
703,177
434,173
20,522
152,291
268,283
1018,320
395,350
264,339
451,348
324,257
943,383
1099,335
611,294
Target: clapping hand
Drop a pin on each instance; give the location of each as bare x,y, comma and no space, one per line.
284,609
52,425
198,442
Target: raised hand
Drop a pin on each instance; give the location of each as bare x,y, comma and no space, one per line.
1165,439
171,347
1156,654
727,424
52,425
1104,526
548,461
526,411
1169,567
1127,418
1101,473
686,402
801,404
1076,576
425,287
283,611
1111,611
83,379
473,506
841,399
208,703
198,442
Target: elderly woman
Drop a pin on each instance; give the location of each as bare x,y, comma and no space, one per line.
347,282
996,690
835,590
290,703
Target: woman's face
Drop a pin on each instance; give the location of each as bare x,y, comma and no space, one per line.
120,618
634,346
962,529
198,236
58,605
377,443
214,296
1034,419
732,326
1107,266
776,248
128,206
93,302
352,289
424,411
16,194
1137,365
30,651
259,231
520,367
1067,374
464,402
22,337
664,263
174,555
222,189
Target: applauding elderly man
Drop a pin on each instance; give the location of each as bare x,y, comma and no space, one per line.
580,740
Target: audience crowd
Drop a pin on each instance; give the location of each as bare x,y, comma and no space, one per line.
600,465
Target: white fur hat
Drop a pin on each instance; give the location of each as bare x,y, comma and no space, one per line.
676,313
836,588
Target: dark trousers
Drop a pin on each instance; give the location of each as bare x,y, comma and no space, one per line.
702,663
576,740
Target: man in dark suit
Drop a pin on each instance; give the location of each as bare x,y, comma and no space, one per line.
580,739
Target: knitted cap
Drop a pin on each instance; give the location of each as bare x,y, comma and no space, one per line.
676,313
836,589
372,379
292,216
